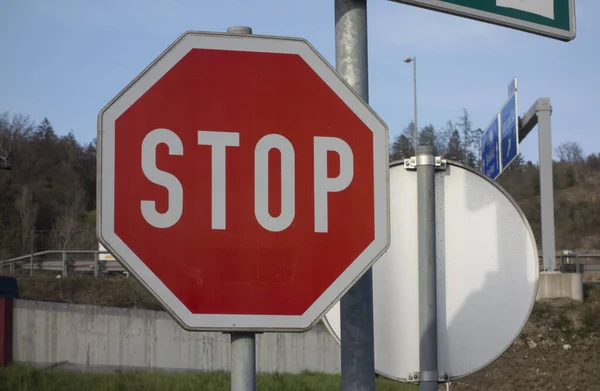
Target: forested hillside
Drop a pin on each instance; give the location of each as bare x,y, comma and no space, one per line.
51,188
576,180
47,200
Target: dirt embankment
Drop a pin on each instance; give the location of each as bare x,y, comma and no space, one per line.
111,292
559,349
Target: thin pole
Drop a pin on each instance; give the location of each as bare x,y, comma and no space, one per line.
243,345
416,128
356,306
96,263
64,262
427,269
31,252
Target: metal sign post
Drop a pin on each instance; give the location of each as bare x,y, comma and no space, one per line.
243,345
351,59
428,349
243,361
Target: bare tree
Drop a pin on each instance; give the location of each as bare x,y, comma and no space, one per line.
570,152
13,132
68,222
442,137
5,163
28,209
465,126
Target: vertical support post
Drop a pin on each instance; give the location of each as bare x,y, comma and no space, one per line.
356,306
32,250
243,345
544,111
64,263
428,349
96,263
243,361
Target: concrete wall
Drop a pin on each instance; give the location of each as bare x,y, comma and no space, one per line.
556,285
104,338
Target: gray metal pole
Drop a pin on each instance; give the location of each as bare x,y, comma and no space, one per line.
243,362
356,306
544,111
428,376
243,345
416,128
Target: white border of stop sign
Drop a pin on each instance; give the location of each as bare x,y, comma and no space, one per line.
106,177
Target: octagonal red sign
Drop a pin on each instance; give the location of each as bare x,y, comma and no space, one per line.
243,182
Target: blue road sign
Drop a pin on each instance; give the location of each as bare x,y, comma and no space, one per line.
509,132
512,87
490,150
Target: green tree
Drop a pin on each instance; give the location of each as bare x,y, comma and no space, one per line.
512,179
593,162
465,127
534,182
403,146
52,185
476,146
455,149
45,130
427,136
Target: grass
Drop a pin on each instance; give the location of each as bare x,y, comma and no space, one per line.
23,378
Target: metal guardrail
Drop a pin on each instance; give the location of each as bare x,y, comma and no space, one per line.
571,262
65,262
88,262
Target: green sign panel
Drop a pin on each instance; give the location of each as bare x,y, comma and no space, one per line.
550,18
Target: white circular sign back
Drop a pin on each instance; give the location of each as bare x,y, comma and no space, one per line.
487,275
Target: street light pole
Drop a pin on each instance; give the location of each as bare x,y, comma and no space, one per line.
415,127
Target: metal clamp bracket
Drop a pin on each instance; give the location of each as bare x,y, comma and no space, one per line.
414,162
442,377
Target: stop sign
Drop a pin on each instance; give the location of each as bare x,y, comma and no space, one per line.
243,182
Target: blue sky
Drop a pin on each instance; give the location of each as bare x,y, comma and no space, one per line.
65,59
